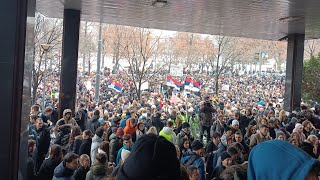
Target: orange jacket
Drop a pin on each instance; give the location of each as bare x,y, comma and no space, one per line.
128,129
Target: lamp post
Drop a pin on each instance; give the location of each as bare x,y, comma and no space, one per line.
97,86
45,48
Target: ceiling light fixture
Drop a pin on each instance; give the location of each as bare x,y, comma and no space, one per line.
159,3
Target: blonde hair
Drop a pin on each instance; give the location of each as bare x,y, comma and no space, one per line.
152,130
312,139
83,157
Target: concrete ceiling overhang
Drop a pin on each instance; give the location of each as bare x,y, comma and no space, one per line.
261,19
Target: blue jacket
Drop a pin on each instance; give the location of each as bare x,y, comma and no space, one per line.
279,160
124,121
62,173
119,153
197,163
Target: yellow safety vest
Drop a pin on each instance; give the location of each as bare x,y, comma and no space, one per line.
167,136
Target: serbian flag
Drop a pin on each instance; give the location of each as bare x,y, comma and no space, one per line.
173,82
115,85
192,85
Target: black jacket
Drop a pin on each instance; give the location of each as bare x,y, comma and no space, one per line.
30,168
115,146
75,147
94,123
47,168
80,173
81,118
85,147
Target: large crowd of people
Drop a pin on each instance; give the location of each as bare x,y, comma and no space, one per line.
243,132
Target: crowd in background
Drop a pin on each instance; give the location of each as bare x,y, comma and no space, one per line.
170,134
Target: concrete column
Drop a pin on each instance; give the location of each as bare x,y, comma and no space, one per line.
69,61
13,15
294,69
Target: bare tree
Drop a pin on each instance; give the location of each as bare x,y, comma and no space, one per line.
140,50
226,50
47,31
311,48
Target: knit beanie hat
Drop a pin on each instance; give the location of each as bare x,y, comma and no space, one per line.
225,155
196,145
120,132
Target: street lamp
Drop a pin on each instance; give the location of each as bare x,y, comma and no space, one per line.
45,48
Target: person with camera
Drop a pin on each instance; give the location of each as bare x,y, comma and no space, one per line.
206,118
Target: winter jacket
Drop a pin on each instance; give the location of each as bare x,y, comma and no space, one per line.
198,162
63,137
139,133
168,133
115,146
94,123
85,147
119,153
156,122
30,168
75,147
80,173
47,168
63,121
129,130
96,141
123,122
62,173
97,171
82,118
43,139
281,161
206,117
258,138
217,172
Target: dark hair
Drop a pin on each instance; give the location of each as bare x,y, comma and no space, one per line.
238,133
99,131
101,158
70,157
56,152
232,151
169,123
126,137
88,133
96,112
263,126
31,143
75,131
35,107
34,117
238,146
216,135
104,146
190,169
48,109
82,105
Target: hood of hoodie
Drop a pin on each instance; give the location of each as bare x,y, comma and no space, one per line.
61,171
98,169
269,159
66,111
167,130
96,138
